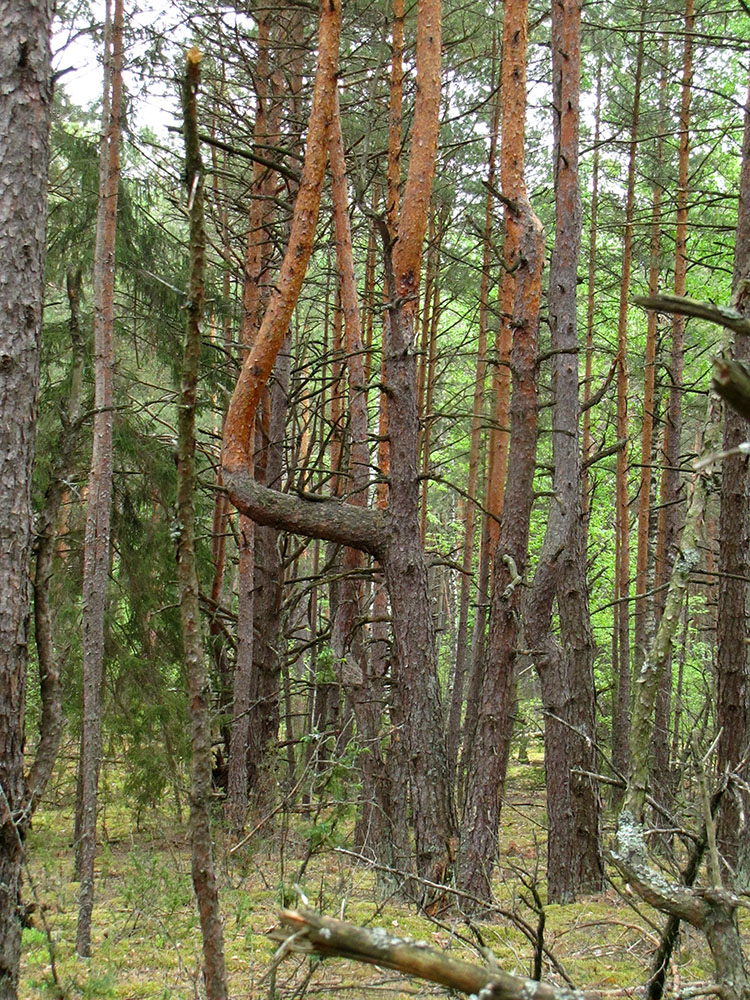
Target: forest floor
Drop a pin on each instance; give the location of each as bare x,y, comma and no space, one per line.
145,927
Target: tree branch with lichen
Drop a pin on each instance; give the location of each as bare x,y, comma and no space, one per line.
309,932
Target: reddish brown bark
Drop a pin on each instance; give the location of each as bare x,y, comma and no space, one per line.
395,117
96,551
258,365
524,258
429,354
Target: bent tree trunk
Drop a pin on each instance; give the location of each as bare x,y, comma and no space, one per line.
25,83
393,535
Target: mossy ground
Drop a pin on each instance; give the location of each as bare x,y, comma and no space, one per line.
145,927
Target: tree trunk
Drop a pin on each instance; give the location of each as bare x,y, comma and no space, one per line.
643,625
96,553
587,443
621,638
364,687
647,681
672,487
26,85
566,667
204,878
462,645
732,712
253,301
524,258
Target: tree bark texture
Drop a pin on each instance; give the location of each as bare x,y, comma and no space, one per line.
96,552
258,365
733,687
587,443
524,257
252,315
204,877
25,99
364,686
462,645
566,665
308,932
672,492
643,621
621,638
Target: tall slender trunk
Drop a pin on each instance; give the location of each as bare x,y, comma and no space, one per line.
621,638
671,486
96,551
733,670
566,666
432,298
524,259
587,443
237,786
383,664
26,85
204,878
462,646
372,832
641,631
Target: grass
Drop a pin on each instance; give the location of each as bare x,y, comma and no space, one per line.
146,938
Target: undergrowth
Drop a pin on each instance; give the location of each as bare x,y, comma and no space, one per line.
146,938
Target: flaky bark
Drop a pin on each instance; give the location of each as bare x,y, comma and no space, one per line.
733,668
403,557
99,511
566,666
26,86
204,878
524,258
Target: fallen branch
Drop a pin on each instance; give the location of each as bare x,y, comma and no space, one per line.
312,933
